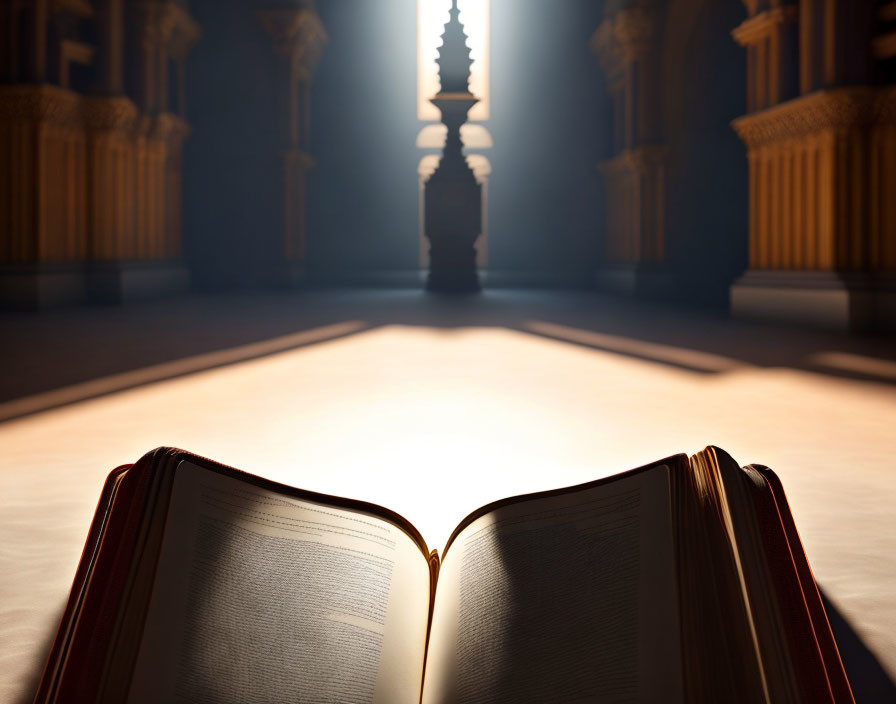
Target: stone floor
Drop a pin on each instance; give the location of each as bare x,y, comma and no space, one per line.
433,407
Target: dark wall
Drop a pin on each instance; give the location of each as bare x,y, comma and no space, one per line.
362,209
232,170
550,120
707,192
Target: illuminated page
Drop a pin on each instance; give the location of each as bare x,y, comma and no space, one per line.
263,598
570,598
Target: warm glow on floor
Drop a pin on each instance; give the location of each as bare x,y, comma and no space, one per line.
435,422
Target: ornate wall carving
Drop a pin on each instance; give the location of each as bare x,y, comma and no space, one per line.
769,38
95,178
823,164
43,152
627,47
298,37
822,173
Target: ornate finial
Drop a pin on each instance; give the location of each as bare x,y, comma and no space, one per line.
454,56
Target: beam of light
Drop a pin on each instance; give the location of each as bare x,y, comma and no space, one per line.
431,18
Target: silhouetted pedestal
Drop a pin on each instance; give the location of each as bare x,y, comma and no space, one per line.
453,198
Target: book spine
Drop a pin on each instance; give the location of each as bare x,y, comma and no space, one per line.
47,689
786,547
435,564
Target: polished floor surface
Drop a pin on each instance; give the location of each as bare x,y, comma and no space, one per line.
433,408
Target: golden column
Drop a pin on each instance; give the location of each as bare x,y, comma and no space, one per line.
90,185
626,45
43,157
822,163
111,119
299,38
136,234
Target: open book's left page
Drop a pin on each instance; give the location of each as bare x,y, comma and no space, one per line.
260,597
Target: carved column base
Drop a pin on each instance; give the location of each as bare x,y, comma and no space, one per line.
126,282
41,286
842,302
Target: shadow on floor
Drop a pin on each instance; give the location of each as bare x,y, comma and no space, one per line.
31,680
870,682
45,352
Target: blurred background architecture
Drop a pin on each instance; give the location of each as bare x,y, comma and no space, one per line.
733,154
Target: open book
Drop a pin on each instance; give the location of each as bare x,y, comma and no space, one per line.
681,581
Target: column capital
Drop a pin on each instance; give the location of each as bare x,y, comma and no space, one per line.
756,7
298,34
181,31
40,103
760,25
624,37
110,113
832,110
168,23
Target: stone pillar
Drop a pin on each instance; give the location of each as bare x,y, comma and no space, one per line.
111,55
298,36
111,123
43,154
770,39
93,186
177,132
43,196
11,13
38,15
626,44
136,240
822,173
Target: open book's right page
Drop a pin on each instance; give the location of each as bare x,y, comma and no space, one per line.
570,598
